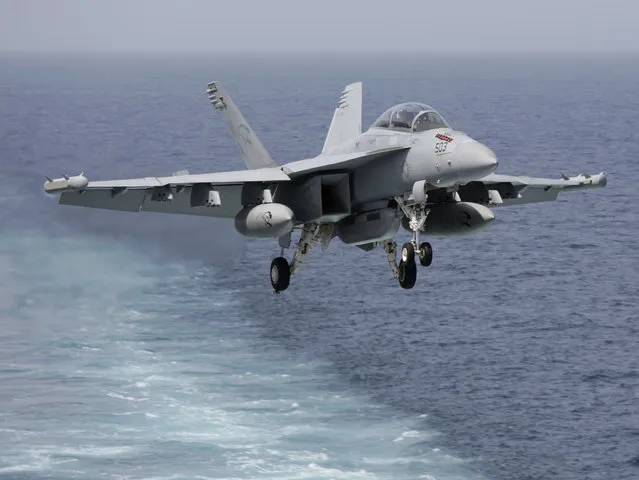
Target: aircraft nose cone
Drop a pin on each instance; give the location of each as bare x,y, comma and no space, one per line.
475,160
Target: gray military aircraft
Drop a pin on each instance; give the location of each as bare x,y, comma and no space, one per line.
410,168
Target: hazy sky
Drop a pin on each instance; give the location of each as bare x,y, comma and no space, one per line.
319,25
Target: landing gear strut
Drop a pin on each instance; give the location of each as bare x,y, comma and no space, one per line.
406,270
281,269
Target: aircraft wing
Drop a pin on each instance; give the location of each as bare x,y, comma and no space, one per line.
513,190
210,194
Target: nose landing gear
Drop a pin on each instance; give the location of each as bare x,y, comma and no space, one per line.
425,254
406,270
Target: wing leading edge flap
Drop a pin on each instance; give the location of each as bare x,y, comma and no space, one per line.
239,177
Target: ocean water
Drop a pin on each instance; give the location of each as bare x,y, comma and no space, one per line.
150,346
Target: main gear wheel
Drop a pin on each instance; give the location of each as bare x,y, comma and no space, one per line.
280,274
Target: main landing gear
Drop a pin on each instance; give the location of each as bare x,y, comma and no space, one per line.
280,274
406,270
281,269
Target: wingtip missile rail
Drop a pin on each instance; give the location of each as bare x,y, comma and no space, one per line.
585,180
66,183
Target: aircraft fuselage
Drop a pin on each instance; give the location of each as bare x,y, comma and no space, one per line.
442,157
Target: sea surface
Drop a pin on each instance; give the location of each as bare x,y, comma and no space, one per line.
140,346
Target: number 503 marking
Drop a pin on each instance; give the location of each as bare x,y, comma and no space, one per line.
440,147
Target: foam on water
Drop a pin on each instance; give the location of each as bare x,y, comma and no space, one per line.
128,364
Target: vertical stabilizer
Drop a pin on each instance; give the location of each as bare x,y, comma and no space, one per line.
347,119
254,153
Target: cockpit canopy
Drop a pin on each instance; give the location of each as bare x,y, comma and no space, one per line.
414,117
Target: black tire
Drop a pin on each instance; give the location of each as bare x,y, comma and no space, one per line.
280,274
425,254
407,274
407,254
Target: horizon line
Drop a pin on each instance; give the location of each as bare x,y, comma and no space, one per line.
331,53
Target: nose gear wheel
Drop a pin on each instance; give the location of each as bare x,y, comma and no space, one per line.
406,270
425,254
407,274
408,253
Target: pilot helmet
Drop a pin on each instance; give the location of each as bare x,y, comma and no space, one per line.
402,118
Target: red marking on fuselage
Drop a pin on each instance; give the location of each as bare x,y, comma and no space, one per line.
443,137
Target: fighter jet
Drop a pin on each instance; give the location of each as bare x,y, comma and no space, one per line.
410,169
